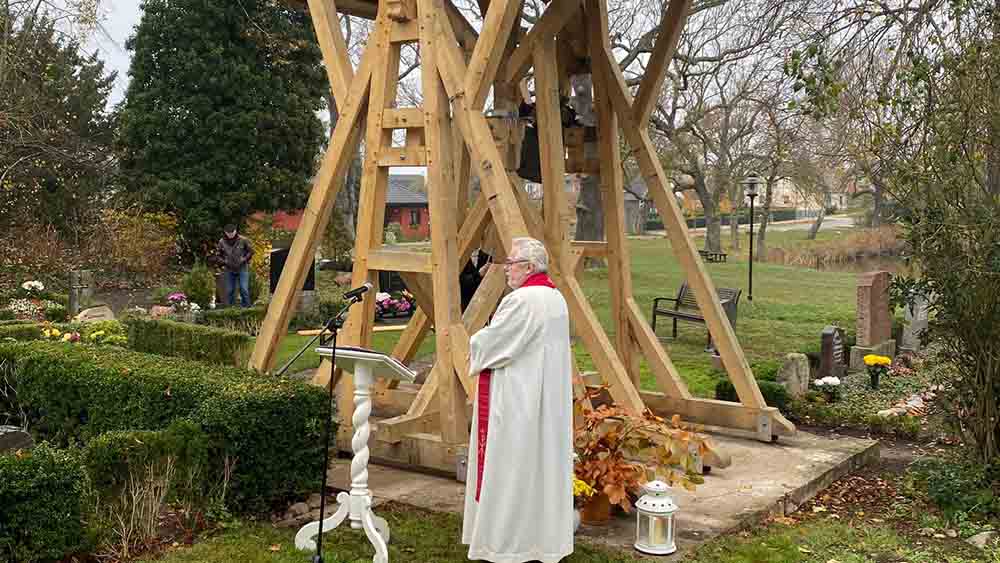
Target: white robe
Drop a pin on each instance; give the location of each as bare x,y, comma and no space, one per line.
525,510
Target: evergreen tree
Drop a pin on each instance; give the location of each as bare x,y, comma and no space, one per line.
220,117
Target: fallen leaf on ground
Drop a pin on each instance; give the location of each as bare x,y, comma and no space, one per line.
276,547
819,509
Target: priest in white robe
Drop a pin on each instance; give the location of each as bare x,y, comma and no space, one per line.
519,490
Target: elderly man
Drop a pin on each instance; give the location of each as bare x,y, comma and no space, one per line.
519,491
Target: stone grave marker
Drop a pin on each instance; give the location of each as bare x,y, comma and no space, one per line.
831,359
13,438
874,325
94,314
794,374
916,316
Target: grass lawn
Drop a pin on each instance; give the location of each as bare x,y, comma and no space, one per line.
423,537
789,310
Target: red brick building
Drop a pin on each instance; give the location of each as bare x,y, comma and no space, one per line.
406,206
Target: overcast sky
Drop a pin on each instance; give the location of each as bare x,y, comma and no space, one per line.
119,19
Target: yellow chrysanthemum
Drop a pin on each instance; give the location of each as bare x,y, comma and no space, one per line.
876,360
581,489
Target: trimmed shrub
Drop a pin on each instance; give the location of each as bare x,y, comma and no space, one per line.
266,431
199,285
189,341
236,319
775,394
6,315
41,505
56,313
21,331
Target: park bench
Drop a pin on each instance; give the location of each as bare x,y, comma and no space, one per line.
709,256
685,308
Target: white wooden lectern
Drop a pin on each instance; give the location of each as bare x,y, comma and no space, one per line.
366,365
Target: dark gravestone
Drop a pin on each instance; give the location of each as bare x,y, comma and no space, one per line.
12,438
832,359
278,258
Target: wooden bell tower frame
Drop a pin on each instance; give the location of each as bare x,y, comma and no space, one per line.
452,137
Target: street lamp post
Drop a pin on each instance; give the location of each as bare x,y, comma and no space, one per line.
751,191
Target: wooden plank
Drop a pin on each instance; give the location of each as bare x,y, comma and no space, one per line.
442,203
427,451
403,118
402,156
485,61
476,133
588,328
399,261
552,152
371,225
613,199
659,61
698,279
336,58
405,32
358,8
590,248
393,430
716,413
554,18
411,339
315,216
667,376
466,34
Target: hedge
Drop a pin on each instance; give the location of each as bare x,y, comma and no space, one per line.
269,427
189,341
775,394
20,331
41,505
247,320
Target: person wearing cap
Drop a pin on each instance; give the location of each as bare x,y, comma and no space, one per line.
235,252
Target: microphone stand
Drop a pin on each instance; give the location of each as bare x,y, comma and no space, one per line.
332,326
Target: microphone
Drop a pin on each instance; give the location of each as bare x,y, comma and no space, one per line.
357,292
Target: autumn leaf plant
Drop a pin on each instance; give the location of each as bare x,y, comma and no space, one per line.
618,451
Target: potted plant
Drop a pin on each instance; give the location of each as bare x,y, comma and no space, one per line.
618,451
877,367
829,386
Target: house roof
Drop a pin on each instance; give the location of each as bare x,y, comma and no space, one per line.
406,189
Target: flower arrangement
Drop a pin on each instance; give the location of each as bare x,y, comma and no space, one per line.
30,309
581,491
179,302
877,367
388,306
829,386
33,286
610,441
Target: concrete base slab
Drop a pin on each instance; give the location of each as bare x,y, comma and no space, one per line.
764,480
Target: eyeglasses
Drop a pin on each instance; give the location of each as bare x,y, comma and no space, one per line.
508,263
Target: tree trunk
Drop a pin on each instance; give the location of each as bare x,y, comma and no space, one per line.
347,198
760,253
734,229
713,228
877,199
814,229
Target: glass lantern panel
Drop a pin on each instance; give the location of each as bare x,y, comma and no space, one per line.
642,530
658,531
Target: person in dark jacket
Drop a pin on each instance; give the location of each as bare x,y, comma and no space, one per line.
235,252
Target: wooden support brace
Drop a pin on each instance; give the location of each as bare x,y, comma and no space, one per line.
556,15
331,42
399,261
485,61
656,68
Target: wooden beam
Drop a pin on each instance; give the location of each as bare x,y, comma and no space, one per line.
476,133
422,290
613,199
405,32
485,61
466,34
656,68
590,248
399,261
403,118
358,8
667,376
393,430
656,181
554,18
336,58
413,335
427,451
552,152
442,204
724,414
315,216
402,156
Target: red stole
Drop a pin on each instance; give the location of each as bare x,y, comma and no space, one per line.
539,279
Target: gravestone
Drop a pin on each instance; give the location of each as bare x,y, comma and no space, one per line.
916,323
874,325
94,314
831,356
13,438
81,289
794,374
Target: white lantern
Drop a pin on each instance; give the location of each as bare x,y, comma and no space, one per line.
655,529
